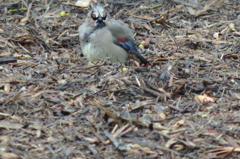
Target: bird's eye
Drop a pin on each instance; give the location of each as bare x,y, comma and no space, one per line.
104,18
94,17
104,15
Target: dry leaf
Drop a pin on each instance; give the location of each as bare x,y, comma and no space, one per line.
236,95
203,99
5,155
7,88
83,3
162,115
170,142
212,131
91,140
179,123
216,35
236,33
191,11
198,35
8,125
232,27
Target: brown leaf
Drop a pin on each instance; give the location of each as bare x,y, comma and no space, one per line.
203,99
8,125
5,155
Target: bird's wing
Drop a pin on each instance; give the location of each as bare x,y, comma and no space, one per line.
119,29
123,37
85,32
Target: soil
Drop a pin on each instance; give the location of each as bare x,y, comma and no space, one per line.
55,104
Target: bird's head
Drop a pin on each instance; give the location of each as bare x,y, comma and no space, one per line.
98,15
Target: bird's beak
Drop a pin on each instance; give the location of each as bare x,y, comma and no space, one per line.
99,19
100,22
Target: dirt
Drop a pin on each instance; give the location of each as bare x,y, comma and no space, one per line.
55,104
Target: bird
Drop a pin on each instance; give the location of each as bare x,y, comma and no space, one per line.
102,37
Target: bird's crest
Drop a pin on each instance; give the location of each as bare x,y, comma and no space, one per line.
98,10
98,15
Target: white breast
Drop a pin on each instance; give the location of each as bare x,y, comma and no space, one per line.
89,51
100,45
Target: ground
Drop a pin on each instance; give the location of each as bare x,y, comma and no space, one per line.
55,104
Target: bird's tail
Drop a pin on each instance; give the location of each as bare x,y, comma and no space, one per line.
130,46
